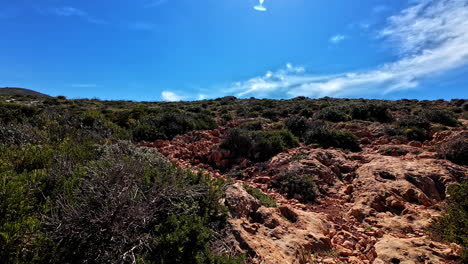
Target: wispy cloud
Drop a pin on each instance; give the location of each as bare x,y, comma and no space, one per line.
169,96
337,38
68,11
431,38
84,85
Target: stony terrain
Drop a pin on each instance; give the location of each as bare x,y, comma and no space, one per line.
373,205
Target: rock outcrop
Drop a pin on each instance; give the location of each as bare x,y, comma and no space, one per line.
371,207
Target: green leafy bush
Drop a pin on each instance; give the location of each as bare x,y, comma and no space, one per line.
456,150
325,136
297,125
169,125
371,112
440,116
15,113
333,114
452,226
252,125
258,145
297,185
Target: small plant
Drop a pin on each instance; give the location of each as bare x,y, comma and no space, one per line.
300,186
264,199
452,225
325,136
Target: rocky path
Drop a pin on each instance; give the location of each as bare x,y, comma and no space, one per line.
373,206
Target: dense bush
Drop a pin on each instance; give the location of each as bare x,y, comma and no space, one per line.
440,116
109,206
333,114
15,112
298,185
325,136
258,145
413,128
371,112
169,125
456,150
297,125
252,125
452,226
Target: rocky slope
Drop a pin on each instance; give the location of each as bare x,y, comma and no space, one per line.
373,206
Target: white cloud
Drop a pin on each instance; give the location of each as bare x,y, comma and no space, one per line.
169,96
431,38
337,39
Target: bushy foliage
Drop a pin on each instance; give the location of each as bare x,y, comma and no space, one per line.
15,113
169,125
258,145
333,114
298,185
452,226
297,125
371,112
456,150
252,125
264,199
412,127
325,136
440,116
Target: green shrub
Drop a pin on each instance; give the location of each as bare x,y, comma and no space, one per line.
297,125
297,185
333,114
252,125
371,112
267,144
325,136
258,145
237,141
413,128
169,125
455,150
15,113
452,226
264,199
440,116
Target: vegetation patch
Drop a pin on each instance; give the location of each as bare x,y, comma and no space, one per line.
452,226
264,199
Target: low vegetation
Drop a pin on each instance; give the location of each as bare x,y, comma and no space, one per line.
264,199
453,224
297,185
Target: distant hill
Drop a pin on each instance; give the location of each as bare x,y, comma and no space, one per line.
20,91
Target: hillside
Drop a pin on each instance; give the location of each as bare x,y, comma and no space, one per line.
234,181
9,91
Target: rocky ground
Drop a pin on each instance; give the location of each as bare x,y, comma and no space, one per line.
373,206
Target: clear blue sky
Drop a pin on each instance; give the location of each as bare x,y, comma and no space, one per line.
187,49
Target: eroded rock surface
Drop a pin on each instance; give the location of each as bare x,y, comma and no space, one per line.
372,206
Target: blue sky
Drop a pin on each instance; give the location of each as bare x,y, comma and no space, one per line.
188,50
